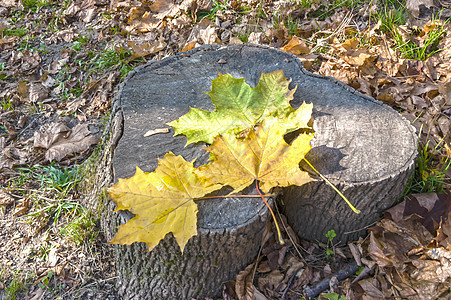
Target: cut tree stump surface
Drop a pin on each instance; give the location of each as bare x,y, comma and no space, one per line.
363,146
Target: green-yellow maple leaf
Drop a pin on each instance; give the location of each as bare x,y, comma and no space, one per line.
162,202
238,106
262,155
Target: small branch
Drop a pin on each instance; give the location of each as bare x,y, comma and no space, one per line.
290,281
324,284
238,196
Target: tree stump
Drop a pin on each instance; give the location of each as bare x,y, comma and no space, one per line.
363,146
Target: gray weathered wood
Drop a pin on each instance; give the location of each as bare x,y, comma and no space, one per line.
364,147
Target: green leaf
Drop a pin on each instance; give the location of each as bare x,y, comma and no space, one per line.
238,107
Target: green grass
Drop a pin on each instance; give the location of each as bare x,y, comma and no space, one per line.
41,253
330,235
6,104
14,286
345,3
79,43
291,25
109,59
51,178
18,31
428,176
390,17
413,51
333,296
216,5
306,3
61,180
35,5
82,229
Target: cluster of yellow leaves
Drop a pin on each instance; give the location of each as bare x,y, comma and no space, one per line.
164,200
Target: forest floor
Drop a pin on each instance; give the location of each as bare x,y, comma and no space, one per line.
61,62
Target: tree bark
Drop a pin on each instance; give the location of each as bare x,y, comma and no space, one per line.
364,147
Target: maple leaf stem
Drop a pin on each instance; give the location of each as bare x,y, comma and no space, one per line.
230,195
332,186
279,234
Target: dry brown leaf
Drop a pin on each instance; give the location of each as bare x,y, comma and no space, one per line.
415,6
22,208
39,223
244,287
350,44
2,143
292,266
147,48
22,89
60,141
208,35
270,281
189,46
235,41
376,251
296,47
430,206
5,198
371,289
49,134
303,278
358,58
38,92
168,8
8,42
355,253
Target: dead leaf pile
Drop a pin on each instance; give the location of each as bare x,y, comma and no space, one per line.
410,250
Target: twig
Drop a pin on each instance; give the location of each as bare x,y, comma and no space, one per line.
360,229
290,281
324,284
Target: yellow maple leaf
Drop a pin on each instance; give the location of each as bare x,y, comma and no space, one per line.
163,202
262,155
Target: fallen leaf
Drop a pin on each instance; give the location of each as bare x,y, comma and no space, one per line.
208,35
168,8
156,131
38,92
8,42
244,287
238,107
270,281
296,47
147,48
263,155
22,89
5,198
189,46
163,202
61,142
415,6
49,134
371,289
53,257
22,208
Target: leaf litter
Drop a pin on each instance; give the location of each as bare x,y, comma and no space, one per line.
64,69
